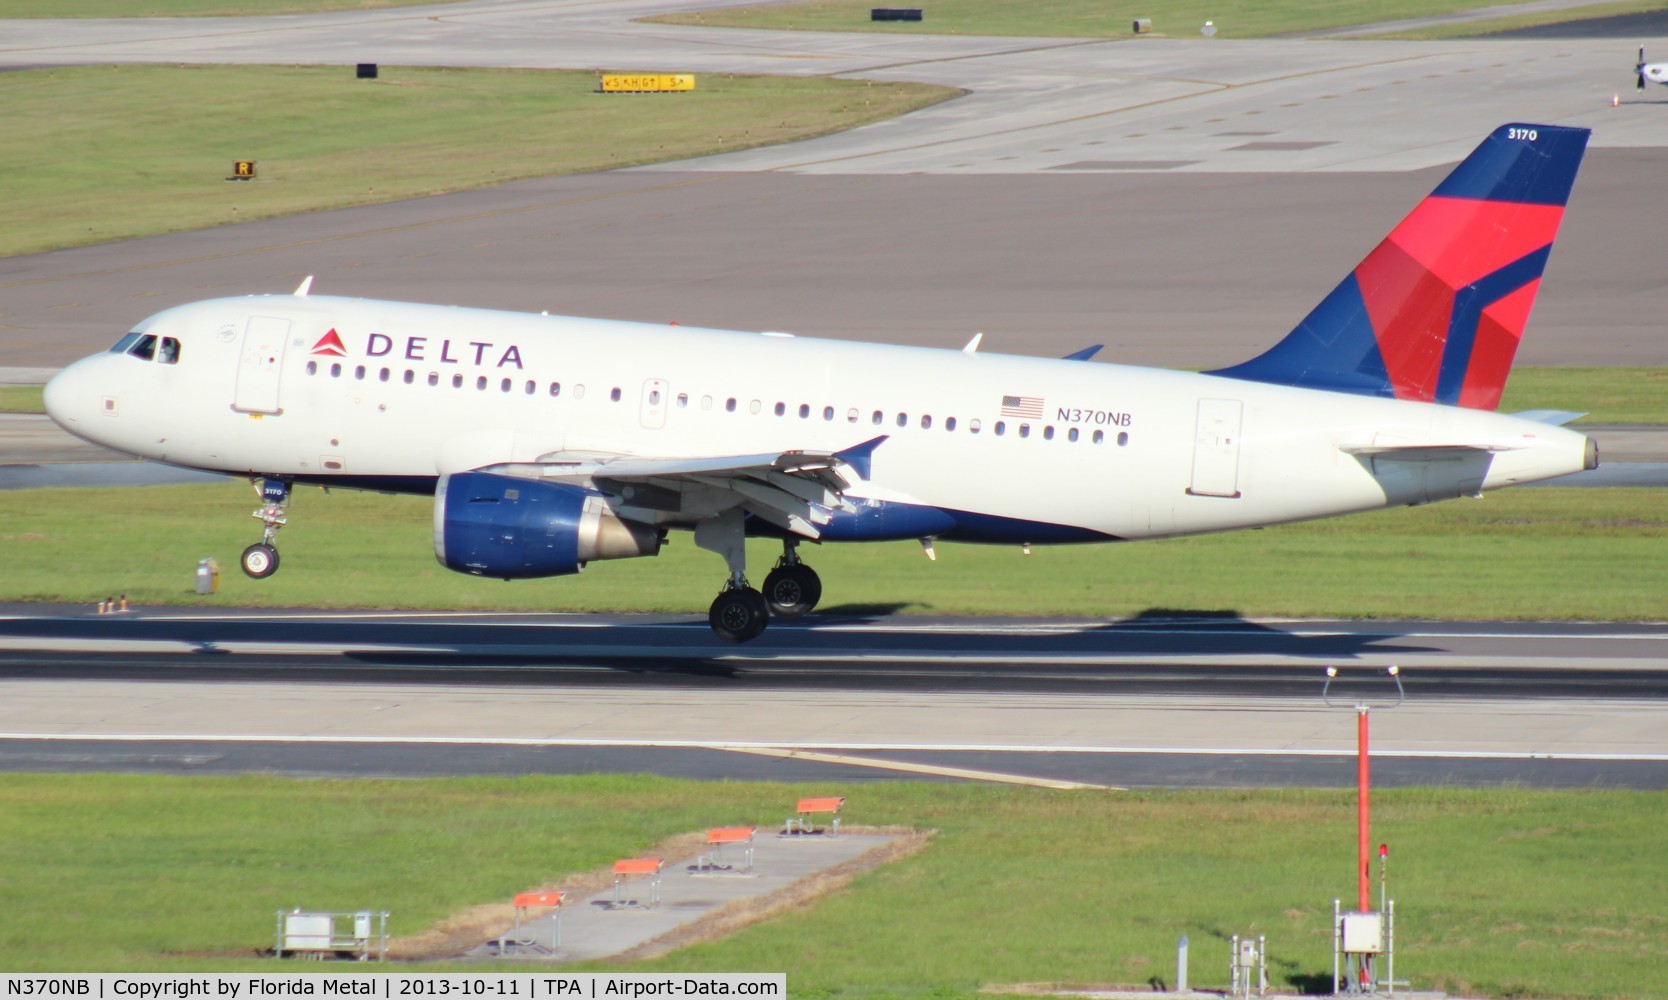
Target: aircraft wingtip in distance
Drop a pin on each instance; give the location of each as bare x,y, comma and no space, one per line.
548,442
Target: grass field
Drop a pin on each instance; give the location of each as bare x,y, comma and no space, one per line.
107,152
1074,18
1505,893
21,399
1542,553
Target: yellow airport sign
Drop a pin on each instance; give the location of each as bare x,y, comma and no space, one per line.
646,83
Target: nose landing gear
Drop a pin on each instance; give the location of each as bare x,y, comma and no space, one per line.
260,560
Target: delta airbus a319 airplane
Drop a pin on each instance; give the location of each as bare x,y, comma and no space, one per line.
548,442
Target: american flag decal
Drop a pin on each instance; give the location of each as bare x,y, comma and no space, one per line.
1023,407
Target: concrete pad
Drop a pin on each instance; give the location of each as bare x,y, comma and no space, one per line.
593,927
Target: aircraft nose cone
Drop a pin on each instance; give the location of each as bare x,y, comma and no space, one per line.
59,397
72,396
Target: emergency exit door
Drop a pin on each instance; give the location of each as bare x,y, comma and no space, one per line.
653,413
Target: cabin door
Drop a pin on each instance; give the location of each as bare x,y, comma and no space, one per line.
1216,449
261,366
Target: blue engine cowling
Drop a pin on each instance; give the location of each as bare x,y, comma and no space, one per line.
491,525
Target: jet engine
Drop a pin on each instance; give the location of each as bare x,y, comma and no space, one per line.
491,525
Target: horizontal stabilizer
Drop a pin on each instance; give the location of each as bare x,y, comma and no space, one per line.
1556,418
1430,452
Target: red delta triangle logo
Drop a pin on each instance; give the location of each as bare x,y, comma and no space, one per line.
331,345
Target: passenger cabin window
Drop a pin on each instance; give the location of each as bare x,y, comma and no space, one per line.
359,373
312,367
409,376
555,388
949,423
335,371
828,413
615,394
457,381
434,378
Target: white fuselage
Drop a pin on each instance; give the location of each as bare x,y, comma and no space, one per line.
1095,450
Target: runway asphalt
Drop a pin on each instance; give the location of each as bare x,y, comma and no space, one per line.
1142,702
1183,201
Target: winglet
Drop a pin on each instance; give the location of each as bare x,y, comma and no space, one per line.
306,286
859,456
973,345
1085,354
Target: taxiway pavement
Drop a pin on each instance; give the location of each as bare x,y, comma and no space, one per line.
1184,201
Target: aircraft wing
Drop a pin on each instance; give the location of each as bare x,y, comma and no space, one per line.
797,491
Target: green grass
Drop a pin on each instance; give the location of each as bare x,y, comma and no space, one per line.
1504,893
1074,18
1473,29
189,8
1606,395
21,399
109,152
1511,555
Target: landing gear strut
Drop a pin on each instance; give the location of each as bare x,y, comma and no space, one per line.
792,588
261,559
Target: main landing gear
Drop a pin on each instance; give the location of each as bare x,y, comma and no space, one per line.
261,559
792,588
740,613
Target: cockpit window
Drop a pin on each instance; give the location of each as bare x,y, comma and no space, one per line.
144,347
125,343
170,353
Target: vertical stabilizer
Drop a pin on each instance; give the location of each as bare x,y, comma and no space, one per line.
1436,311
